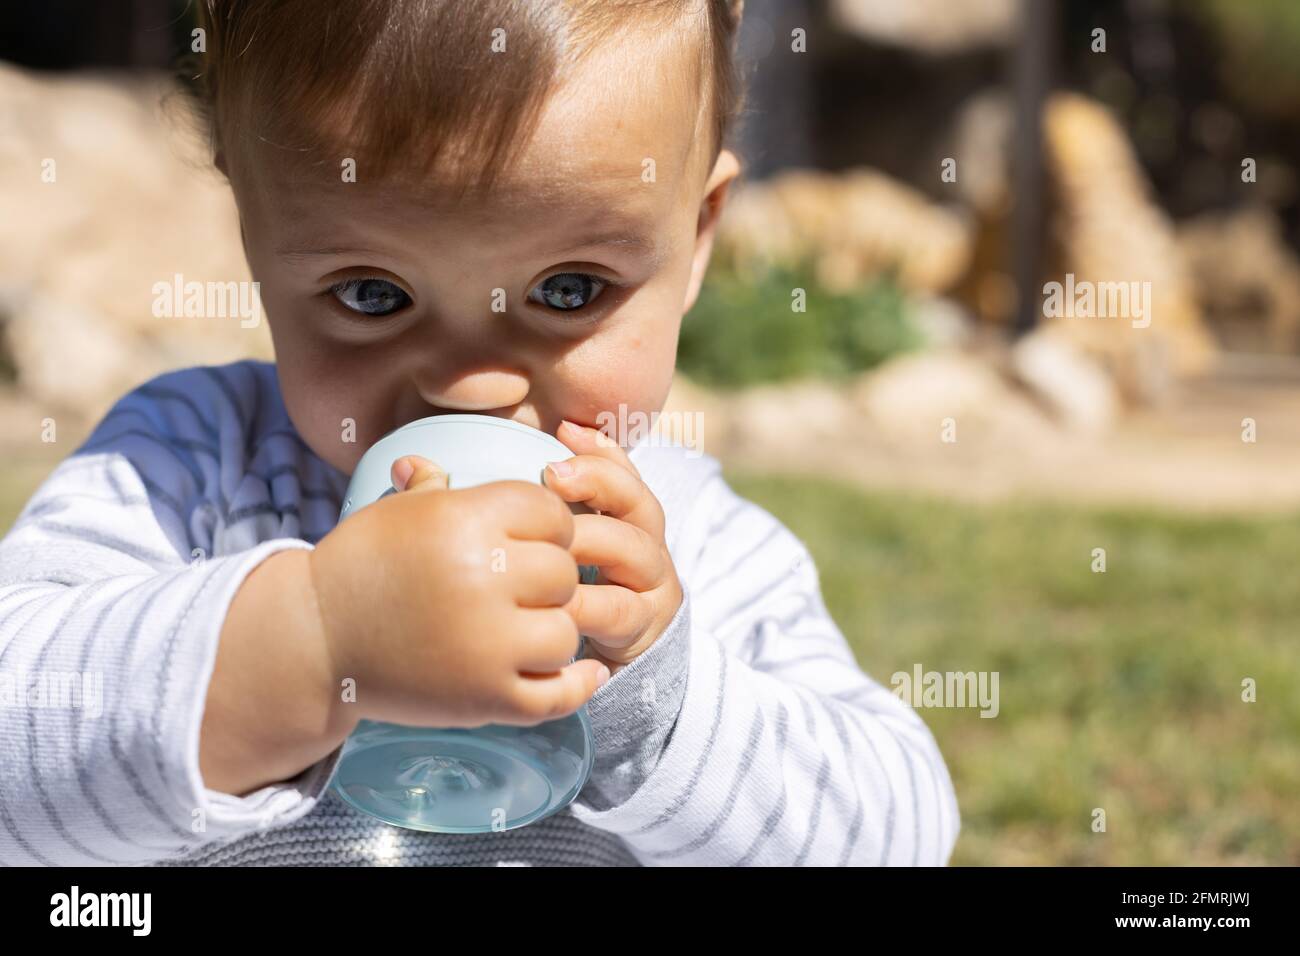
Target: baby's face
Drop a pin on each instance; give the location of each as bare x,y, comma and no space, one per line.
559,296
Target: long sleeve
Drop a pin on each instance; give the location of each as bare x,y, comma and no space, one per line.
114,583
782,752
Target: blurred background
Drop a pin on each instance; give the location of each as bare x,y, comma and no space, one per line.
953,454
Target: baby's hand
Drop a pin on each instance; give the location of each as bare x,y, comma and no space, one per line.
447,608
637,593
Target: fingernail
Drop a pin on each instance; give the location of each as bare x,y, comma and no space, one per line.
602,676
561,469
402,472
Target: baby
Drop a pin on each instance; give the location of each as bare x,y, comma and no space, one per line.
450,206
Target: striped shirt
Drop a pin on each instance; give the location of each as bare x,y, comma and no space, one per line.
762,742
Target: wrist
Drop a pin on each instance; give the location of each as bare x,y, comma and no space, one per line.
332,669
270,710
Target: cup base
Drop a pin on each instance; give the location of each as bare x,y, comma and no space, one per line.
463,781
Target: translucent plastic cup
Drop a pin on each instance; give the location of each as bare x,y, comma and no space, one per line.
456,780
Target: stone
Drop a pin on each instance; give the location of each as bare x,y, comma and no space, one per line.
1246,276
854,225
1072,385
134,201
66,357
1108,229
934,26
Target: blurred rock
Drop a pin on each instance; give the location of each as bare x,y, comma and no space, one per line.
981,143
1247,279
66,358
909,399
934,26
133,202
1073,385
794,414
942,322
1109,230
854,225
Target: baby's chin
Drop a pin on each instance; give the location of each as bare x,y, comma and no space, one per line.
343,456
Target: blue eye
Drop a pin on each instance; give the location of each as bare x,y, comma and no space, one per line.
371,296
568,291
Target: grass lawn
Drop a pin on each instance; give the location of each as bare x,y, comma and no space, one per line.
1120,690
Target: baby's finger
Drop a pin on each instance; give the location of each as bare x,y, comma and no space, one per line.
413,473
541,698
606,487
544,641
585,440
526,511
538,573
612,616
624,553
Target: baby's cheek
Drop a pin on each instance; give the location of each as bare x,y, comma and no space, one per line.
332,435
628,374
651,360
341,421
335,433
629,359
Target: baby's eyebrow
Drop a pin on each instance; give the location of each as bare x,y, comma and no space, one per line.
297,254
623,240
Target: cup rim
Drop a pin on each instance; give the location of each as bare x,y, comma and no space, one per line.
467,418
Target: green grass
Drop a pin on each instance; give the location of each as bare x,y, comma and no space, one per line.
1119,690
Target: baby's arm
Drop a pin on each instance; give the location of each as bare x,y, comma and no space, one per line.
783,751
97,580
272,707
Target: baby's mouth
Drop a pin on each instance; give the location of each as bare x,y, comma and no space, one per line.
514,416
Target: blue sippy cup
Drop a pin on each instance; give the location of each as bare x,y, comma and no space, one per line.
457,780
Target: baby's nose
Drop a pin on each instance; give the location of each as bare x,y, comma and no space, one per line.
479,391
